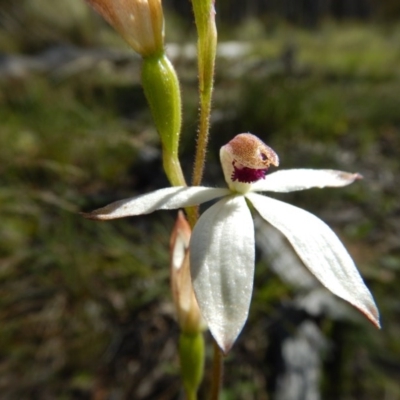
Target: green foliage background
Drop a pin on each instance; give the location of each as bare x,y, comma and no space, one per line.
85,308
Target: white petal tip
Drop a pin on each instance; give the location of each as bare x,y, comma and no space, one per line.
97,215
224,343
349,177
89,215
226,348
226,333
373,316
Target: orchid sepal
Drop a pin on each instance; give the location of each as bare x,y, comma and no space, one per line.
320,250
162,199
291,180
222,254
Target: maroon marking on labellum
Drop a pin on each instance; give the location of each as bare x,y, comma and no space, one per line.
247,175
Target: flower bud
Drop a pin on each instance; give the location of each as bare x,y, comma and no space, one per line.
139,22
189,316
161,87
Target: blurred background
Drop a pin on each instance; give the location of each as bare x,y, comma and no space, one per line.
85,307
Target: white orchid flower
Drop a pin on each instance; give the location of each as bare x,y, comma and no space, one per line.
222,247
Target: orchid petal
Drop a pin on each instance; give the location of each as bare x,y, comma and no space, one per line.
162,199
321,251
222,267
291,180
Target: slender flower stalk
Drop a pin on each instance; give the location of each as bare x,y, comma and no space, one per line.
217,372
204,13
222,245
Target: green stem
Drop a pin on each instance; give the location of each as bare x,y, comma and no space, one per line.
173,169
202,139
190,395
207,48
191,353
217,372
